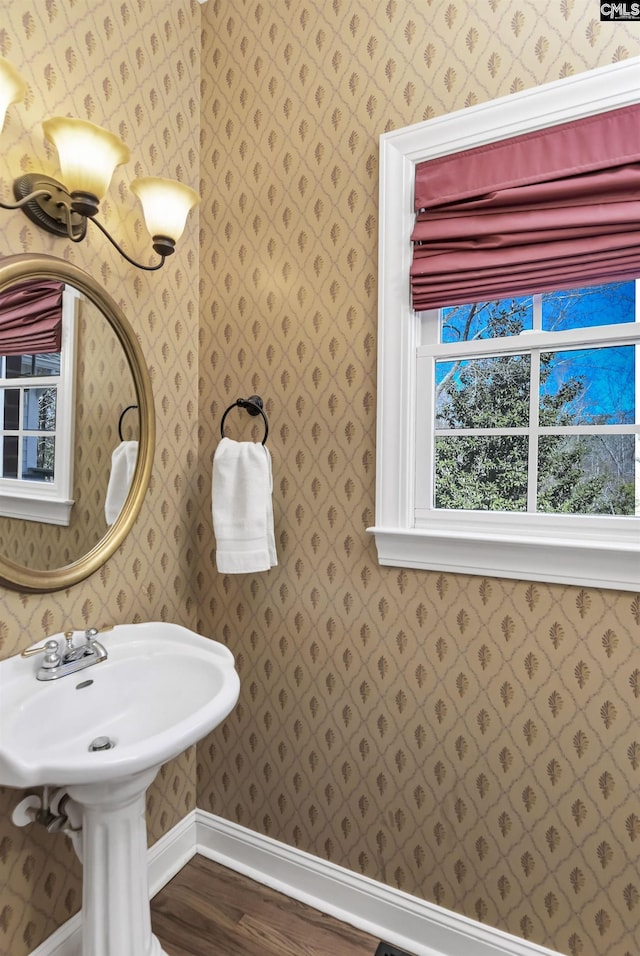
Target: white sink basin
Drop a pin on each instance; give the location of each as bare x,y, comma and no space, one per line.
162,688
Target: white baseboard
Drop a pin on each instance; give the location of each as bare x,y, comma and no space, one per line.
171,852
66,941
420,928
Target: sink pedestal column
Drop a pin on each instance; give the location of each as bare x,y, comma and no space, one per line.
116,919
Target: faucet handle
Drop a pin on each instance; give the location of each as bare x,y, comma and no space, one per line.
49,647
92,632
51,653
92,646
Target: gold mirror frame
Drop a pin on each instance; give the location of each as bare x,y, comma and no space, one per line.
18,577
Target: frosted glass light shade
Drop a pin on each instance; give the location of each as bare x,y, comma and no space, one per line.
166,204
88,153
12,87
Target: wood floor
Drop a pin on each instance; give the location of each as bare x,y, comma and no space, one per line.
208,910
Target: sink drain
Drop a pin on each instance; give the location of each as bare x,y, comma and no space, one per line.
102,743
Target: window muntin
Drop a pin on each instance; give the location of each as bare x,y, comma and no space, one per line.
539,429
29,414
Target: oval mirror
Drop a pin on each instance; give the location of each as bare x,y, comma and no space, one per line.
77,425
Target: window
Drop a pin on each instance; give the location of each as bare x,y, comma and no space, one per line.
507,431
36,429
509,426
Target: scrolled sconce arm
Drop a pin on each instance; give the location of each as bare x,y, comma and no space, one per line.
88,155
25,199
132,262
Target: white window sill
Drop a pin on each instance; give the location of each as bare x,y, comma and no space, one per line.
594,562
48,510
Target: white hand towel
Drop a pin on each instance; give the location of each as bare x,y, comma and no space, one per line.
242,506
123,465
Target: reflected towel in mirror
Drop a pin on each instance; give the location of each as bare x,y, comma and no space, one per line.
123,465
242,507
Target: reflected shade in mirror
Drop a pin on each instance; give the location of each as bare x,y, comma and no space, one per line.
110,374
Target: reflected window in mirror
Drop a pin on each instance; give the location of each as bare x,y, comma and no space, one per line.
37,388
110,374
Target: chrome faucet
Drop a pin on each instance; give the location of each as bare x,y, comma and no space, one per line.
65,657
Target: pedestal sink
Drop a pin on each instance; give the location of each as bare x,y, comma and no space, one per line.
161,689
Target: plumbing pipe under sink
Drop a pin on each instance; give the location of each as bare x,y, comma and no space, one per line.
57,812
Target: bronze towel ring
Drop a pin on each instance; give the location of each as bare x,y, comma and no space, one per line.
254,406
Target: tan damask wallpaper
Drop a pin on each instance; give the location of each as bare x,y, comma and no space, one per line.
134,67
473,742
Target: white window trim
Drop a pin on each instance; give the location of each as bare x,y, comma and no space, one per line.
51,502
544,549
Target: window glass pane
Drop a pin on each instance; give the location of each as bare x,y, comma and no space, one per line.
610,304
588,386
481,473
10,457
486,320
38,457
11,408
40,409
483,393
28,366
587,474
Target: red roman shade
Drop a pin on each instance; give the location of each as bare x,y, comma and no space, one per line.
31,317
555,208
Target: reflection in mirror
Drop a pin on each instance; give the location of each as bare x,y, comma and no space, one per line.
108,452
103,388
37,386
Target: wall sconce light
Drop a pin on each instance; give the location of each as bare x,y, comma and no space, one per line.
88,156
